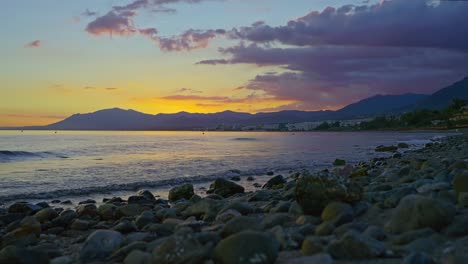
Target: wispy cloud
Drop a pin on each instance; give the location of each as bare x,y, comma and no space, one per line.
119,21
34,44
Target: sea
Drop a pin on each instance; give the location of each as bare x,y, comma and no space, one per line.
45,165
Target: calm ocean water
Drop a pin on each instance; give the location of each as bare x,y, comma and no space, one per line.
42,164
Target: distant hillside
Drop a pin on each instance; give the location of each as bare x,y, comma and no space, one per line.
380,104
445,96
108,119
119,119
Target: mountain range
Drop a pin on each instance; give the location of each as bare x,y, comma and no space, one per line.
119,119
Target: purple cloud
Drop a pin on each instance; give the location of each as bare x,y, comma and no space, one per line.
339,55
120,21
397,23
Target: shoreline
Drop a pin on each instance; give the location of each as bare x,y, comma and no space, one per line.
351,212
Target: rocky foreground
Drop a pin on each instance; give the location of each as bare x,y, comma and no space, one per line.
410,208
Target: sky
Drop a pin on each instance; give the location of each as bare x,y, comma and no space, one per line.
59,58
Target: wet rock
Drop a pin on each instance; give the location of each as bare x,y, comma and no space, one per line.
147,194
402,145
13,254
120,254
382,148
107,211
410,236
312,245
79,224
463,199
61,260
418,258
460,182
414,212
287,238
241,223
314,192
65,218
375,232
137,257
353,226
129,210
247,247
100,245
26,234
339,162
250,178
181,192
315,259
43,204
275,182
242,207
89,201
282,219
227,215
456,253
181,249
324,229
125,227
23,208
338,213
458,227
139,199
355,246
147,217
46,214
88,209
235,178
261,195
207,209
225,188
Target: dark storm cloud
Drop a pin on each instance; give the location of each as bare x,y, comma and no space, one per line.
339,55
397,23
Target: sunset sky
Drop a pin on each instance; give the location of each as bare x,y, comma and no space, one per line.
164,56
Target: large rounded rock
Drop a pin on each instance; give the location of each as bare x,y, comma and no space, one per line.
275,182
247,247
12,254
338,213
86,210
180,249
46,214
460,182
314,192
100,245
26,234
146,194
415,212
181,192
107,211
355,246
23,208
225,188
241,223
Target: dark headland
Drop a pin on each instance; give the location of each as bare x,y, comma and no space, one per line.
407,208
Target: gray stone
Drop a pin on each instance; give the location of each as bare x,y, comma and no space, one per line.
100,245
355,246
181,192
338,213
225,188
241,223
247,247
414,212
